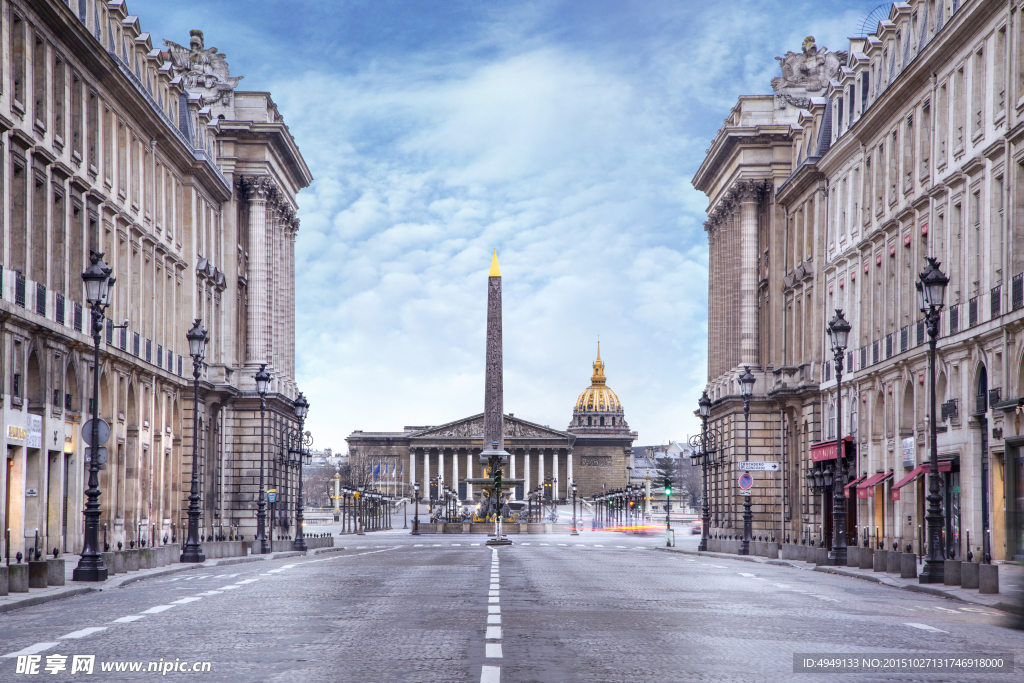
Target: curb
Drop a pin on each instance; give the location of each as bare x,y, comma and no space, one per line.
41,599
321,551
882,580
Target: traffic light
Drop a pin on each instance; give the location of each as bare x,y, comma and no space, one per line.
497,479
668,487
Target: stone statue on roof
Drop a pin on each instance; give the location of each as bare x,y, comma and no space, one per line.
203,70
806,73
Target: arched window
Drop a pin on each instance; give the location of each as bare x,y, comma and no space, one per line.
602,421
589,421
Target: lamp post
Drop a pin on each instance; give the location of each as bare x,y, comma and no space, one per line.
839,333
197,338
746,388
704,404
262,383
305,457
931,295
97,293
575,531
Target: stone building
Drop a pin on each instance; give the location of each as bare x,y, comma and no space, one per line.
187,186
594,451
917,152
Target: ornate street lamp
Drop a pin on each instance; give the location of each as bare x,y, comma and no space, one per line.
747,380
575,531
262,384
197,338
305,457
704,405
839,334
933,292
97,293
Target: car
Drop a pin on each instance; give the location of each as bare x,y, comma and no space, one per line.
695,528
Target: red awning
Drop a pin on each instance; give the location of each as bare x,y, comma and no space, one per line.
866,488
853,484
826,450
944,466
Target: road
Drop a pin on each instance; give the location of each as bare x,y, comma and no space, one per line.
598,607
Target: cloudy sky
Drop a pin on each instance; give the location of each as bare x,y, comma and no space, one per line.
563,134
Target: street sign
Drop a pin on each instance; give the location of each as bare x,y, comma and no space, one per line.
87,433
101,456
755,466
746,481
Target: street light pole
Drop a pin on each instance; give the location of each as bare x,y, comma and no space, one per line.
705,412
301,410
931,295
747,387
575,531
197,338
262,383
97,293
839,332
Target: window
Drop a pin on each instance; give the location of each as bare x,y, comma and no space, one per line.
867,188
999,75
19,216
122,159
839,114
978,93
865,86
997,234
880,180
76,116
849,99
893,167
39,81
925,141
942,128
59,86
108,145
908,155
18,58
93,126
958,111
976,243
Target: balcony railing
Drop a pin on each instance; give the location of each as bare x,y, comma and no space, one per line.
110,331
149,350
41,299
874,352
135,344
904,338
863,357
920,332
996,302
888,345
19,289
1017,291
60,308
78,317
954,318
972,311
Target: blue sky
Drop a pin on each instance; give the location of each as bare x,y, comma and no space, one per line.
563,134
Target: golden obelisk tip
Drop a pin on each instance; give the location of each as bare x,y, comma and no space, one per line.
495,271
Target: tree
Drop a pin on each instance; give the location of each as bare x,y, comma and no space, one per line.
689,480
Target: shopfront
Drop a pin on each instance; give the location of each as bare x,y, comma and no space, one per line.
822,479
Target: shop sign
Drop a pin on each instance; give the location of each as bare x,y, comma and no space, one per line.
35,431
18,433
908,451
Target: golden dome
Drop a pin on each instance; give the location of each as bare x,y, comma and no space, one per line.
598,396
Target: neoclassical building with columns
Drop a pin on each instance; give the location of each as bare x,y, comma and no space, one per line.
150,154
594,451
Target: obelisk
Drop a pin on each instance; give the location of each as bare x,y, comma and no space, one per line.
494,417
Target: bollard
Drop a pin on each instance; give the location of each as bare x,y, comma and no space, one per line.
908,566
37,570
881,560
951,572
55,571
988,578
893,562
17,578
131,560
867,558
969,574
3,580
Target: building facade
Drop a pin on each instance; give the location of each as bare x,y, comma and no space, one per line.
186,185
916,153
593,452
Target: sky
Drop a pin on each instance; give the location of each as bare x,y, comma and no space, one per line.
562,134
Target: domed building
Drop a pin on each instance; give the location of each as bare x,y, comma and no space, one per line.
598,409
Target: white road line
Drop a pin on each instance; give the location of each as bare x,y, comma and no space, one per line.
493,594
437,545
979,611
946,609
418,545
492,599
474,544
239,583
211,593
493,618
185,601
228,588
562,544
493,609
926,627
581,545
493,633
83,632
490,674
745,574
495,586
39,647
620,546
524,544
128,620
158,609
598,546
455,544
493,650
545,544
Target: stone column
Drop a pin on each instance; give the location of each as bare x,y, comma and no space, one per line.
425,486
257,344
512,469
748,194
469,474
555,453
541,470
412,472
455,470
494,415
526,468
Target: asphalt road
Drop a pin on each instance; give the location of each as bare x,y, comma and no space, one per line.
599,607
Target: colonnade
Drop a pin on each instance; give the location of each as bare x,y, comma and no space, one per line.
455,465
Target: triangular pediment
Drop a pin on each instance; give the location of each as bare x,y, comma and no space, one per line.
473,428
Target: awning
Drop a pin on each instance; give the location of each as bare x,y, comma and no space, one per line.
867,487
853,484
944,466
826,450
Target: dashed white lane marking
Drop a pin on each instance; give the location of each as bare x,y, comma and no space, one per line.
493,633
239,583
418,545
493,650
128,620
493,609
455,544
211,593
717,566
562,544
524,544
490,674
40,647
979,611
581,545
946,609
493,594
158,609
228,588
495,586
926,627
545,544
746,574
493,618
185,601
436,545
493,599
474,544
83,632
620,546
598,546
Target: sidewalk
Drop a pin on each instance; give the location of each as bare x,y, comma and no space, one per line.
38,596
1009,599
